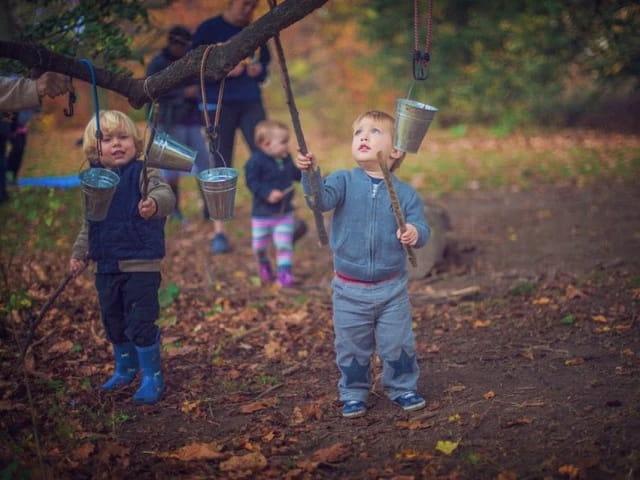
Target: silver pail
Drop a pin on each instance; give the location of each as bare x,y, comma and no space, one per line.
412,122
98,186
167,153
218,187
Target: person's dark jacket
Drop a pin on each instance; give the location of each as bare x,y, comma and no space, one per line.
264,174
242,88
174,107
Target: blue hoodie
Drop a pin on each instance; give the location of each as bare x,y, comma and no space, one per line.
363,228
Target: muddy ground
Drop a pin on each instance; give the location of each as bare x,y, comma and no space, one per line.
527,330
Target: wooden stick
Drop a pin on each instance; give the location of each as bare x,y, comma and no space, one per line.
395,204
313,176
45,308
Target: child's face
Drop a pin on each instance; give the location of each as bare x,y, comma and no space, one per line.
371,136
118,149
277,145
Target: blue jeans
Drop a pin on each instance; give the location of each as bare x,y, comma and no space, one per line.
129,306
366,316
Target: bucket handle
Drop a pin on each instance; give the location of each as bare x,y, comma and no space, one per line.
211,130
153,112
96,106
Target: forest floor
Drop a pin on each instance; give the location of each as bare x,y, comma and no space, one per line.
527,332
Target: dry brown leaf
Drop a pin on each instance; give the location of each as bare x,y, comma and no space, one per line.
599,319
572,362
481,323
335,453
455,389
273,350
62,347
541,301
570,471
259,405
489,395
253,462
517,421
413,425
572,292
507,475
195,451
83,451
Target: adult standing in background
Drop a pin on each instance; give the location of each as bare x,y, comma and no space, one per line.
242,106
178,113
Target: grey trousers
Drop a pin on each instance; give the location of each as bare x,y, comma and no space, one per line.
366,316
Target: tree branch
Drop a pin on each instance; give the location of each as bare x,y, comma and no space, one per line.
182,72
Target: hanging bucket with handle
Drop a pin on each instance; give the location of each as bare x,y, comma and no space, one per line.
412,122
167,153
98,186
218,187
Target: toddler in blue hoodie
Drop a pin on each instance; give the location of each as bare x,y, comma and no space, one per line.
371,306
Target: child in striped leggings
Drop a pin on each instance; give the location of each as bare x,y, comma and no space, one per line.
270,173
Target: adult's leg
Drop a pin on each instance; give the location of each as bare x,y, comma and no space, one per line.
223,157
252,113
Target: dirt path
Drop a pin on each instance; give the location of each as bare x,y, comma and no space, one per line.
529,343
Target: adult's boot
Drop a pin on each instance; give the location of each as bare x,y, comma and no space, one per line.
126,366
152,385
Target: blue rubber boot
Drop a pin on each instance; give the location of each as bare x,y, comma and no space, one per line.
126,366
152,385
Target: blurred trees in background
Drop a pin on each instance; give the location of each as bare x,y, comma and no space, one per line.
501,62
512,62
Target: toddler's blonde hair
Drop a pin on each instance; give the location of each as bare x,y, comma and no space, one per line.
112,122
265,129
381,117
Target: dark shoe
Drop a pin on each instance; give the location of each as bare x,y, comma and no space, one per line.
126,366
152,385
220,243
410,401
264,270
353,409
285,278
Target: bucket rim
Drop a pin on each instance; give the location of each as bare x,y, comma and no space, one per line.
217,172
416,104
101,173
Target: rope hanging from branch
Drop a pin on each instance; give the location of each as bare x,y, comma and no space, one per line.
421,58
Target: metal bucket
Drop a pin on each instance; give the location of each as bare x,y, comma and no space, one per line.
218,187
412,122
167,153
98,186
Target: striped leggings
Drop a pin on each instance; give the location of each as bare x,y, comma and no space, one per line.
279,228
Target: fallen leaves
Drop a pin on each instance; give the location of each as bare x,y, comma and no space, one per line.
570,471
196,451
338,452
517,422
252,462
259,405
